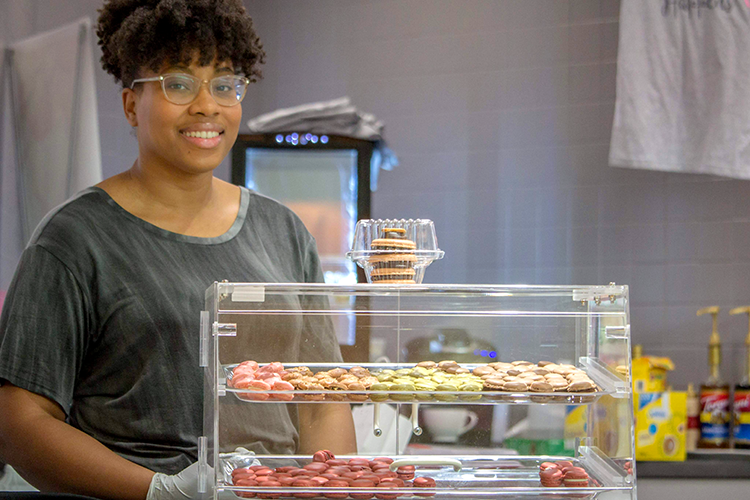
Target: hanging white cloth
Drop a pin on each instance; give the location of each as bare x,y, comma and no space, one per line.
54,129
11,235
683,98
55,115
5,160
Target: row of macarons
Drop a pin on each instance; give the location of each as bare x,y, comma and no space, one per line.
339,478
427,380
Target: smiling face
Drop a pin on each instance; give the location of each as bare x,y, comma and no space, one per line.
188,138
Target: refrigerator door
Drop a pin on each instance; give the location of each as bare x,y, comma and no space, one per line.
325,182
320,186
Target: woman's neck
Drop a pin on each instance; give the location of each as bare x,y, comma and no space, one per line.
199,205
169,189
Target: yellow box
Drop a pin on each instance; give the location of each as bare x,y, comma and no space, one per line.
660,424
575,424
650,373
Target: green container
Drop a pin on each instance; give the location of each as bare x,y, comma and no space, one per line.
525,446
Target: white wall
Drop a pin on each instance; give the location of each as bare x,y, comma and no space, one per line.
29,17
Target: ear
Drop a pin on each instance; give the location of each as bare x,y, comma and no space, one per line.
129,98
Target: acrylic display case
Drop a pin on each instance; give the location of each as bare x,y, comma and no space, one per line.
468,436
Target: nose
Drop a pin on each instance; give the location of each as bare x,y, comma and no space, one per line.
204,103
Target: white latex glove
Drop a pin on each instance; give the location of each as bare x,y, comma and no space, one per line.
10,480
184,484
181,486
240,457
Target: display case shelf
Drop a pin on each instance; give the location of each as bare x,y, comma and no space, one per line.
477,477
458,397
415,396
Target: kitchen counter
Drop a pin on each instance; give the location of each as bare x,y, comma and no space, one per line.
704,464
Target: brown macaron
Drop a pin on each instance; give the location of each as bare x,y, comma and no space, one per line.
336,483
287,481
304,483
551,477
405,472
362,483
424,482
270,484
387,496
317,467
576,478
334,462
395,480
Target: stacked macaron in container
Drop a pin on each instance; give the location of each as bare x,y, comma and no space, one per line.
395,251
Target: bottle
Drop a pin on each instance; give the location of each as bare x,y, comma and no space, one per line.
637,351
636,369
693,432
742,394
714,394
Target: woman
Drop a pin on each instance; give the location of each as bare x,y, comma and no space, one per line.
99,332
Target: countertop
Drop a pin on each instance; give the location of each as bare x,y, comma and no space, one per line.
704,464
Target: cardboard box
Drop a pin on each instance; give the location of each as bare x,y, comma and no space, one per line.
650,373
660,425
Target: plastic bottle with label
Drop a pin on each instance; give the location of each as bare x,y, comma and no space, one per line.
741,412
714,395
693,432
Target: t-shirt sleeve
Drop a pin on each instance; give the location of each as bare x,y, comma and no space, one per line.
42,328
312,268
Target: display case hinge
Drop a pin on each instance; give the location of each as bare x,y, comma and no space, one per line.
203,349
203,468
617,332
225,329
609,293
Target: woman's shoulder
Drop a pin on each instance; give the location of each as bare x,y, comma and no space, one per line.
265,210
74,220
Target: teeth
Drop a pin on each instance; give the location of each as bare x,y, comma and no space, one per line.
202,135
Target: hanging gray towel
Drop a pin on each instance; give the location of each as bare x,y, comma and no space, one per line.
335,117
683,87
56,129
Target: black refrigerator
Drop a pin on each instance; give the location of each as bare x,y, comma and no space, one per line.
325,180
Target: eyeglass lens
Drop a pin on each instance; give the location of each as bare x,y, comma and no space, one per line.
226,90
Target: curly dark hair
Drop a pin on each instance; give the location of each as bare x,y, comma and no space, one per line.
136,34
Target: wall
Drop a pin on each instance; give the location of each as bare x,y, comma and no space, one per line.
24,18
500,112
31,17
20,19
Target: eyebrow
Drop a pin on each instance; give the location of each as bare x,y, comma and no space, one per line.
186,69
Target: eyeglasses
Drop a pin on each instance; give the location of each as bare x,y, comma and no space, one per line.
179,88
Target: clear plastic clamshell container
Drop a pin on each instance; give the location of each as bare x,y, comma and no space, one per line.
395,251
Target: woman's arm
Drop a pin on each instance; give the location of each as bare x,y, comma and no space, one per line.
54,456
326,426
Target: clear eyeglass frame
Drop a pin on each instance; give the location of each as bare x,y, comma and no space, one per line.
191,86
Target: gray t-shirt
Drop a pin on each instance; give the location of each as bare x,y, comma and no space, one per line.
103,318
